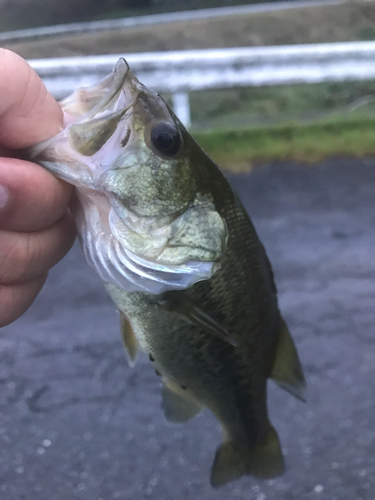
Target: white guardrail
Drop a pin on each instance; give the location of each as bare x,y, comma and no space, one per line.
184,71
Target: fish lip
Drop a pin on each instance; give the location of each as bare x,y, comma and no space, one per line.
111,86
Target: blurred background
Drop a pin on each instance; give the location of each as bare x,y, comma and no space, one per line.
76,422
269,115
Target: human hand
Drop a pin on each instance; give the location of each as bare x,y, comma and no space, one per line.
36,230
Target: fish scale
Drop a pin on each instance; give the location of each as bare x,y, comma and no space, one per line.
182,261
230,381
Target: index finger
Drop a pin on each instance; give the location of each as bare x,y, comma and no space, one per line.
28,112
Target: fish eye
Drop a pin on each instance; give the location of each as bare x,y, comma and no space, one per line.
166,138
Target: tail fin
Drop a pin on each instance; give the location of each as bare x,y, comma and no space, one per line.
234,460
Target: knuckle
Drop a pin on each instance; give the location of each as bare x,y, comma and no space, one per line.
19,257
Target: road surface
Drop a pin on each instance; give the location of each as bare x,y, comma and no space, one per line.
76,422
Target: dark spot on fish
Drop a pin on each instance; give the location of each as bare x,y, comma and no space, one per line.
183,387
151,357
158,373
126,138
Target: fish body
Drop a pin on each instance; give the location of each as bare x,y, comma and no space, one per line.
182,261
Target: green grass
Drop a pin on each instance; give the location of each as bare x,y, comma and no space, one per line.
239,149
307,123
262,105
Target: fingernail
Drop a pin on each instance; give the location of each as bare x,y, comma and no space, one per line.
4,196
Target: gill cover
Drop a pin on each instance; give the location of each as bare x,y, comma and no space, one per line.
143,223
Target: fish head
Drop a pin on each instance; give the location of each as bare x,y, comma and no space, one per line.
145,215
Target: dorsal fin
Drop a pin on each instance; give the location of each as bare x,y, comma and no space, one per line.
129,339
287,371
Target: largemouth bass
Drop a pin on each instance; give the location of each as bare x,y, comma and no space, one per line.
182,262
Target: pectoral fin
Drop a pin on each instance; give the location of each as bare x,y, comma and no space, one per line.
177,408
129,339
287,371
184,305
234,460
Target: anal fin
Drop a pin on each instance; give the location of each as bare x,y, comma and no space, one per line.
287,371
128,338
234,460
176,407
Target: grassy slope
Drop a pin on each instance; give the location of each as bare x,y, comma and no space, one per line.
239,150
23,14
350,21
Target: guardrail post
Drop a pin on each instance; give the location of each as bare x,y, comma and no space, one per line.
181,106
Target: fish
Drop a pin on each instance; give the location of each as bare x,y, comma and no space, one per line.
181,259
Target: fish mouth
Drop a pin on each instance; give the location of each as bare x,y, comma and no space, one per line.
86,103
97,124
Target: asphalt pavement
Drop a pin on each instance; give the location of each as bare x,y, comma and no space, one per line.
76,422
